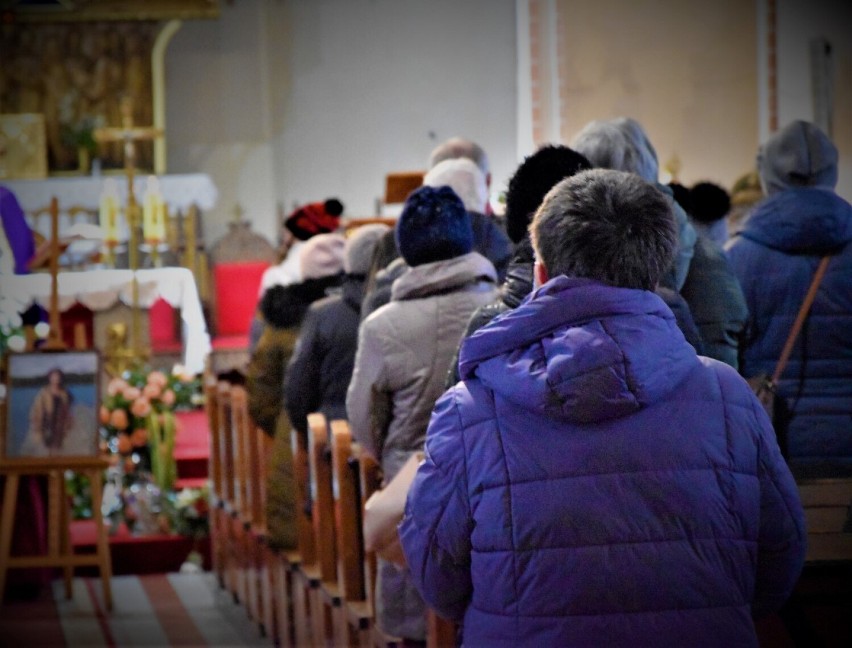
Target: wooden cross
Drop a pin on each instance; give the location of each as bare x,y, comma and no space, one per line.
54,340
130,134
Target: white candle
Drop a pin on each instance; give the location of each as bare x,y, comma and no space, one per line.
108,216
153,221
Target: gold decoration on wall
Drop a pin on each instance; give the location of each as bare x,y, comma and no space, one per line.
23,146
107,10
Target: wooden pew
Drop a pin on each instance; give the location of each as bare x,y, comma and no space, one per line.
225,495
238,529
828,514
327,600
218,541
304,575
351,579
370,479
251,506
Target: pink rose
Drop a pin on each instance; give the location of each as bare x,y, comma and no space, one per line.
141,407
131,393
118,419
103,415
152,392
116,386
169,398
158,378
124,444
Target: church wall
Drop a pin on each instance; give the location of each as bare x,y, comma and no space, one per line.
800,21
685,69
292,101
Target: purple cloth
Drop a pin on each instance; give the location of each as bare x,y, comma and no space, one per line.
17,231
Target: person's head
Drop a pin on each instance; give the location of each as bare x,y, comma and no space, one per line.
56,378
465,178
322,256
533,178
605,225
433,226
460,147
314,218
359,248
798,155
708,202
681,196
619,144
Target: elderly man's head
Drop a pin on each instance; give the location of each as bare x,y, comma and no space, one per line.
460,147
610,226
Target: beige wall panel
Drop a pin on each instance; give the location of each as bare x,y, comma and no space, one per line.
685,69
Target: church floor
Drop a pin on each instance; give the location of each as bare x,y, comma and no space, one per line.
148,610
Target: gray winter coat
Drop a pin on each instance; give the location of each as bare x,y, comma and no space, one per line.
404,351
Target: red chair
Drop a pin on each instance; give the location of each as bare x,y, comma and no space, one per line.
238,262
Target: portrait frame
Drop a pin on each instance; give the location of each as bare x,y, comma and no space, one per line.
49,425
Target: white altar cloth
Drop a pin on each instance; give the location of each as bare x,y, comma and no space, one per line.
179,191
100,289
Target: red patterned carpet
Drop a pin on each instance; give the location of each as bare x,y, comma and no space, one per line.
150,610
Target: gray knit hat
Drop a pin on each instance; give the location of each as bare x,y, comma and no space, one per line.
358,253
798,155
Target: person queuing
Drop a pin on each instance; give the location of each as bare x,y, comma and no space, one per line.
592,479
404,351
775,257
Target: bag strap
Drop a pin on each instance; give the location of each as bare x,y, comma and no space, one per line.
800,319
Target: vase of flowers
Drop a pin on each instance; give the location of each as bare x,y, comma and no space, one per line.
138,421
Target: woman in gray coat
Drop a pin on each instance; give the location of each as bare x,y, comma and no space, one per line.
404,350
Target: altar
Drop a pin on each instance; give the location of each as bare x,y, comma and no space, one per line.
99,290
180,192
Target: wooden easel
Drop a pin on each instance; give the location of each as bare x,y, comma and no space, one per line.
59,550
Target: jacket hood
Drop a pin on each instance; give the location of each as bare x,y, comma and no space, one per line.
798,155
801,221
442,276
581,351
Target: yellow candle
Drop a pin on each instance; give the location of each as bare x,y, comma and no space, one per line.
108,217
151,213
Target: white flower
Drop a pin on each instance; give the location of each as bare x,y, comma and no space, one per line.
17,343
42,329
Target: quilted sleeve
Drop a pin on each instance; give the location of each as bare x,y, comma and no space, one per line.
782,536
302,386
435,531
367,390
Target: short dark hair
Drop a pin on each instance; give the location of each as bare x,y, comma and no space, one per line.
606,225
533,178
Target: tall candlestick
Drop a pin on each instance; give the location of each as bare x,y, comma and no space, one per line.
153,213
109,211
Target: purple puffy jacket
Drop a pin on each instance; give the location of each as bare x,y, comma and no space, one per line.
593,481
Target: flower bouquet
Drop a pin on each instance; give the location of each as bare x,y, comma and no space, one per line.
138,422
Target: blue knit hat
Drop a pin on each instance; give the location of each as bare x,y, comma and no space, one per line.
433,226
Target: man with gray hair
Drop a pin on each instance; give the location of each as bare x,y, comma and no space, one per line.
592,480
460,147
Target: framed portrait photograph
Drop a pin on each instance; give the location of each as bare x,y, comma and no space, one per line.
52,401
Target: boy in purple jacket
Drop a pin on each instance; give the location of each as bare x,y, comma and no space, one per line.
592,480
